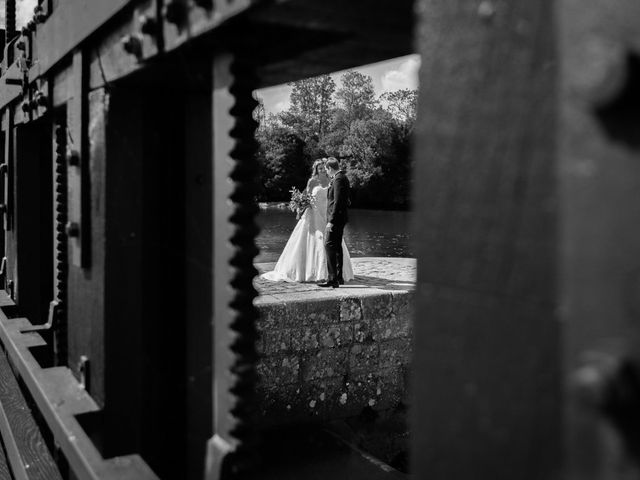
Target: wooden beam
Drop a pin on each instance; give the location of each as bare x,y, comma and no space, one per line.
59,399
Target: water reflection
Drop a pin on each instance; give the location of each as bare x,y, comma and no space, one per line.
369,233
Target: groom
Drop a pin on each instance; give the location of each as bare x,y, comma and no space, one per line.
337,203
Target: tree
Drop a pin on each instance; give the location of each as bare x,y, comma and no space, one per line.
356,96
402,104
281,159
259,113
311,104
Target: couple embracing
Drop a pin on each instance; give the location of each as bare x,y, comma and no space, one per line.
316,250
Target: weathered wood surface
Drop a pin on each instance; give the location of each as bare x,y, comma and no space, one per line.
487,365
5,472
60,399
27,434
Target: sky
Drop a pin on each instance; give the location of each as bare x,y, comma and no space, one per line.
24,12
395,74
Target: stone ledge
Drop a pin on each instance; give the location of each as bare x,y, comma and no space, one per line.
329,356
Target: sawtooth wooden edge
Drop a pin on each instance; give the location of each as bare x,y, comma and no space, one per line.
60,398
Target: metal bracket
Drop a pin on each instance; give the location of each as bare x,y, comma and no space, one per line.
78,221
83,371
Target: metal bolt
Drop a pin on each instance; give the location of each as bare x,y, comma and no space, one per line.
486,10
73,158
83,371
132,45
175,12
26,107
148,25
41,99
73,229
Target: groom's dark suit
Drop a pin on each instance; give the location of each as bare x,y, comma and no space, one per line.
337,203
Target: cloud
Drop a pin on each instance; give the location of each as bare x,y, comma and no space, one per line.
404,76
276,99
24,12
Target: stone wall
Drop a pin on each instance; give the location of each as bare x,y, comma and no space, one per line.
329,358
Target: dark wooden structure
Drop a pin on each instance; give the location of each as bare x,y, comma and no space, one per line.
126,316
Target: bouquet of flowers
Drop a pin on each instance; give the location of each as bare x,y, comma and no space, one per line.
300,201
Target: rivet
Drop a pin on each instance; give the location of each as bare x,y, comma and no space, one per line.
175,12
73,158
132,45
148,25
486,10
41,99
73,229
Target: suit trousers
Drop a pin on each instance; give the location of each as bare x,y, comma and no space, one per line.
333,248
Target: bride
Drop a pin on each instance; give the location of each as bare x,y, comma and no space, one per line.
303,258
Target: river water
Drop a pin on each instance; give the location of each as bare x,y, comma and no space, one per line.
369,233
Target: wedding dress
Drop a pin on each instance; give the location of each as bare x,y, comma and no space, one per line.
303,258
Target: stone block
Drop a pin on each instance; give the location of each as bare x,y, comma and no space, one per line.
277,405
336,335
276,341
395,352
391,387
363,357
319,398
403,304
321,311
362,331
329,362
350,310
377,306
322,336
361,392
384,328
273,316
278,370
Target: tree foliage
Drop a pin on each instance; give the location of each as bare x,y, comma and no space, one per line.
369,135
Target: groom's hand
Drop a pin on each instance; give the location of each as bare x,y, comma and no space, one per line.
329,226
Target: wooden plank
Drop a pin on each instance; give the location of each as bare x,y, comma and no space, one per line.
10,445
5,299
5,471
81,453
64,391
32,450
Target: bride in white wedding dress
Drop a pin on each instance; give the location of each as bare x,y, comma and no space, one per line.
303,258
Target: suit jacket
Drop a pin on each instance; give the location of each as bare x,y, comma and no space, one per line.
338,199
